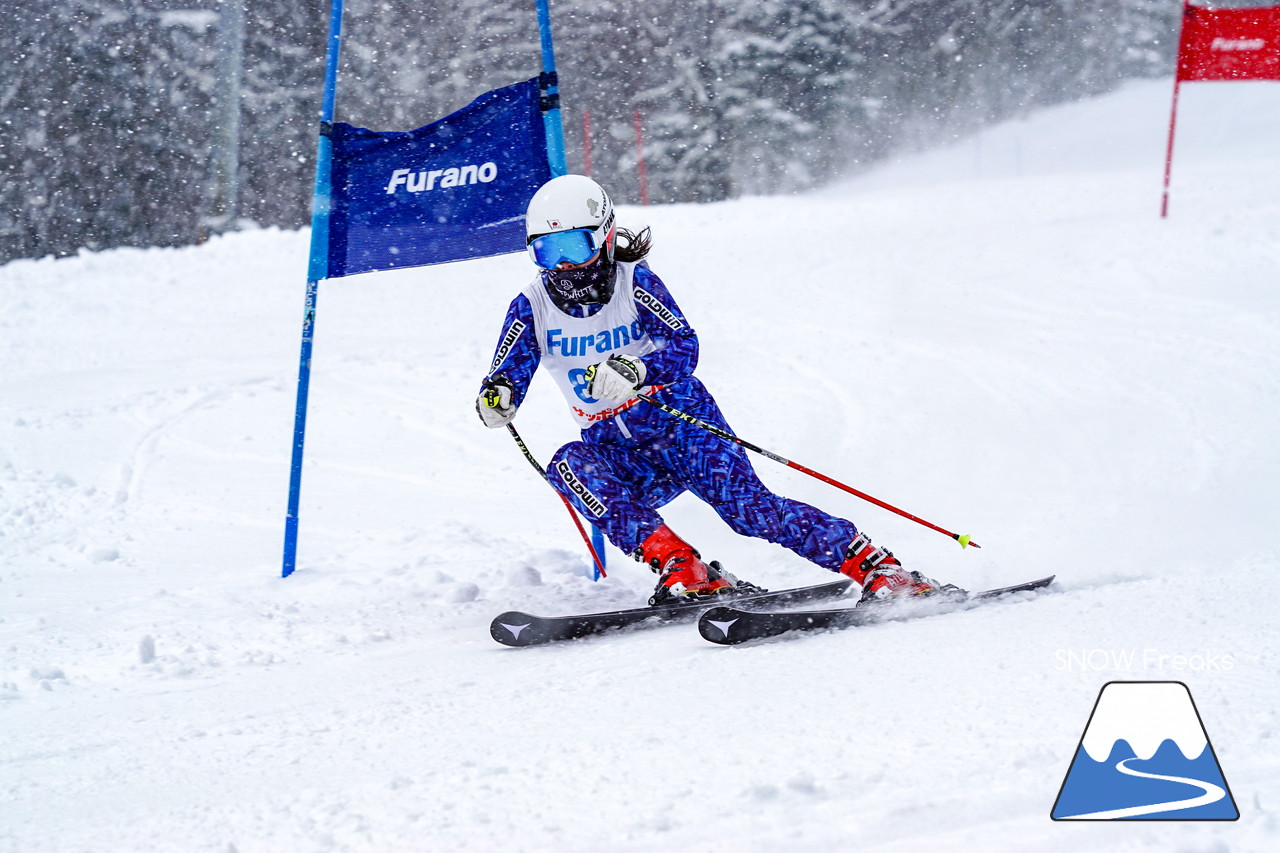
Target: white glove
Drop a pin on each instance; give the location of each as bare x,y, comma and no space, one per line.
494,403
618,378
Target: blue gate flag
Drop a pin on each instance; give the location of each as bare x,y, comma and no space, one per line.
449,191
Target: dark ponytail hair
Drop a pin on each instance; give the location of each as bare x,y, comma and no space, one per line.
632,247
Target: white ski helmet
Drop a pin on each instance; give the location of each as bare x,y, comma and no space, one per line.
568,220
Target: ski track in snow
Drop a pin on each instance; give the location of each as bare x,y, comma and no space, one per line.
1014,347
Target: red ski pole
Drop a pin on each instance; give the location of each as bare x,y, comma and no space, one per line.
543,473
964,540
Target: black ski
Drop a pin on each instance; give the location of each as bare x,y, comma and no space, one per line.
514,628
729,625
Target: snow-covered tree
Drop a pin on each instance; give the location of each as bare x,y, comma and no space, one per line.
109,126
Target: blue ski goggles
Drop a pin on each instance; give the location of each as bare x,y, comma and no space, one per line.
576,246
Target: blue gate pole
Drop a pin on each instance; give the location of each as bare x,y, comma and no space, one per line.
597,542
317,269
550,85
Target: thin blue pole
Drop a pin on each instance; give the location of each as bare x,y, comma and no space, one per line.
597,542
555,153
550,94
317,269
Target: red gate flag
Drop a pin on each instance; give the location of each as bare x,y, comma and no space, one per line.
1222,44
1229,44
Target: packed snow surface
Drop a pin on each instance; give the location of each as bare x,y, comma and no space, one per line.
1000,335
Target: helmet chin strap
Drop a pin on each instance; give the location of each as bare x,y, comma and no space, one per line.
611,235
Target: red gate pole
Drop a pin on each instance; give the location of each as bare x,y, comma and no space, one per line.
1168,157
1173,111
586,142
644,178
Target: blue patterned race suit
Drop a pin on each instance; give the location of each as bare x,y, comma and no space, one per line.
629,464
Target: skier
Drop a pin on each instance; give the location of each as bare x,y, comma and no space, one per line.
606,328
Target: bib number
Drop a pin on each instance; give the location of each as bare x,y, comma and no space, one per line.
578,377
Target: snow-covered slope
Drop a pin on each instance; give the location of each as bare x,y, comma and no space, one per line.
1001,336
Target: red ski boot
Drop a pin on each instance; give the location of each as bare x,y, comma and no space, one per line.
683,575
882,576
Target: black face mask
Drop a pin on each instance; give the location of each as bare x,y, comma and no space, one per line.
589,285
